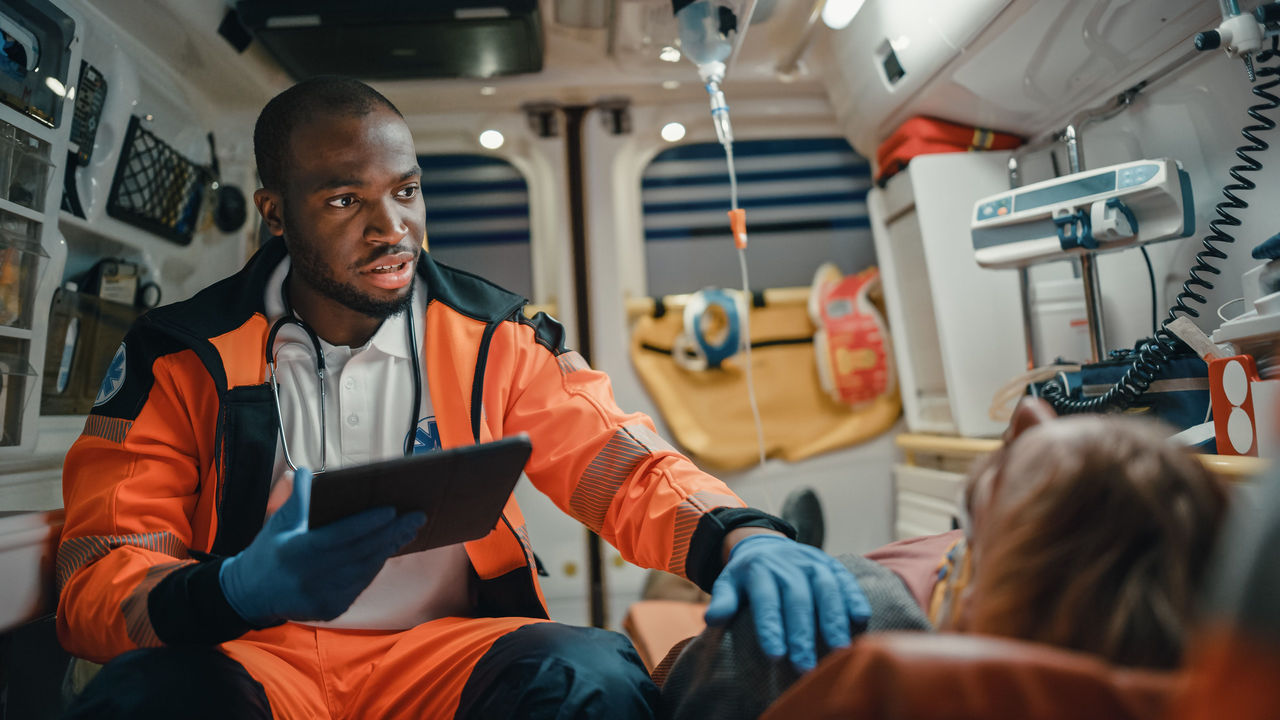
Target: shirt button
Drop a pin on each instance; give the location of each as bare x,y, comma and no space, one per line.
353,420
349,383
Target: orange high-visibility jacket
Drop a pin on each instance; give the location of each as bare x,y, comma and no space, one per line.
173,468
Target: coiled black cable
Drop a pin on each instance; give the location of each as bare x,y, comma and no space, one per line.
1155,353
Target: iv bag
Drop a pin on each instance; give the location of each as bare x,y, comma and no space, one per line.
708,30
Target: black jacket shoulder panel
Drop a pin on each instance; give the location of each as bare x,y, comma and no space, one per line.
547,331
226,304
466,292
219,309
129,376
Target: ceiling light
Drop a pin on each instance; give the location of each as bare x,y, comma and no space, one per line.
491,139
839,13
488,90
669,54
673,132
670,84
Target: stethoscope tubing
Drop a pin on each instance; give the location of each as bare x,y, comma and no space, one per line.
321,373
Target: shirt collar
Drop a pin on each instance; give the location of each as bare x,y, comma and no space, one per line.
273,300
390,337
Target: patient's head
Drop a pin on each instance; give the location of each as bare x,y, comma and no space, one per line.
1092,533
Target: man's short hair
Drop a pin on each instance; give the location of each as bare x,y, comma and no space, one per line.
323,95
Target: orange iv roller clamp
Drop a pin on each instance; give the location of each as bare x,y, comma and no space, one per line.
738,224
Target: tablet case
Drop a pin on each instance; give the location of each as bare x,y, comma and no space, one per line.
461,490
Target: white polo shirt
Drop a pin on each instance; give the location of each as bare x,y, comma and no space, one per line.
368,400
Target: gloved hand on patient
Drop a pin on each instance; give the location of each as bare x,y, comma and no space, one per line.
794,592
291,572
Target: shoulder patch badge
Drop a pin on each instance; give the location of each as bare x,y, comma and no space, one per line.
113,380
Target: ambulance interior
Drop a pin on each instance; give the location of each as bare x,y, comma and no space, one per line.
573,152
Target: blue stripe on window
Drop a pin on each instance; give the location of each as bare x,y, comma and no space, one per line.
843,171
463,188
754,148
487,238
440,214
721,232
749,203
455,162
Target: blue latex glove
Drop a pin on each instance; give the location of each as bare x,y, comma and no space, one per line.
785,582
290,572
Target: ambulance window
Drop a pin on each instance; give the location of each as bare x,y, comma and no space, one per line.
805,201
478,217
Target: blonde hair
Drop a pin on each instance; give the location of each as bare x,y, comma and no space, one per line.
1097,540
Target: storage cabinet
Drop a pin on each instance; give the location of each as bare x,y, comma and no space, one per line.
33,147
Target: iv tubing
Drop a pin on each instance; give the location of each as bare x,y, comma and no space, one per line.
723,130
733,184
751,386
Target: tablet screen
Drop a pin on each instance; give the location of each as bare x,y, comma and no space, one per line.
461,490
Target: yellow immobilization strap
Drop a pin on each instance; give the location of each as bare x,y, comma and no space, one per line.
707,411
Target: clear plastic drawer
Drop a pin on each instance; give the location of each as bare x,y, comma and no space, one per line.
17,378
26,172
21,262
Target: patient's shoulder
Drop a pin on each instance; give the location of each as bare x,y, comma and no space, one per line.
916,561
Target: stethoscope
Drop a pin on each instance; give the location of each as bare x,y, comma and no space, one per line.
290,319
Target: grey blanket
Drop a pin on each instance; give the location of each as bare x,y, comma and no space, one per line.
722,674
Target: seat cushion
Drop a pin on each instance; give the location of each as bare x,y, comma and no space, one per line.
910,676
656,625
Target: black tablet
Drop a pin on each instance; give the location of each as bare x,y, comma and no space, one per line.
462,490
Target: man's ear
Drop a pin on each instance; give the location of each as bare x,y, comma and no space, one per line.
271,206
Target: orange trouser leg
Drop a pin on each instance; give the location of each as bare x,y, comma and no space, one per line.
285,661
311,672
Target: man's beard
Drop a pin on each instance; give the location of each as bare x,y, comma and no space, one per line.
309,267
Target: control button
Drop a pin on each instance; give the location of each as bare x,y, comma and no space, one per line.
1004,210
353,420
1133,176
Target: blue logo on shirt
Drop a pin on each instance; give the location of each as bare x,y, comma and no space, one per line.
426,437
114,379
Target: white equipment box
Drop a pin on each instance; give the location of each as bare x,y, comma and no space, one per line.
957,328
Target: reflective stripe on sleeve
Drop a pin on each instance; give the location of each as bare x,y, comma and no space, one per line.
688,513
76,553
597,487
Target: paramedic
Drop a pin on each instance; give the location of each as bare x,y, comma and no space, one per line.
186,559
